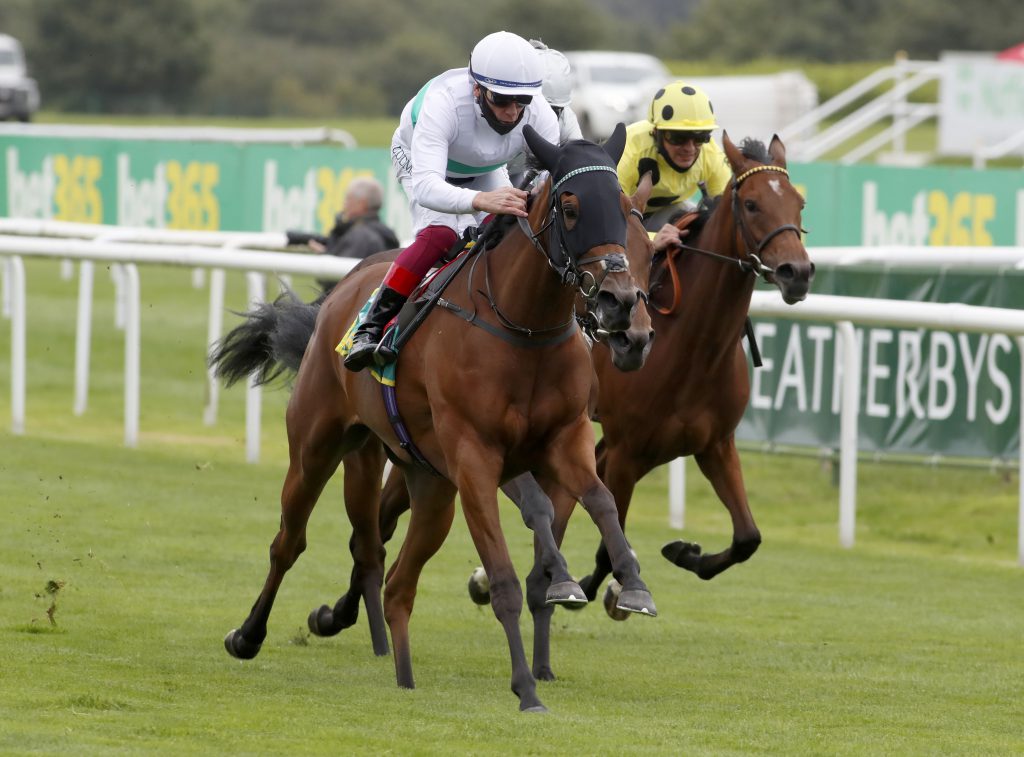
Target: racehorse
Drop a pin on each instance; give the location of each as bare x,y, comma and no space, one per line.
475,406
691,394
696,382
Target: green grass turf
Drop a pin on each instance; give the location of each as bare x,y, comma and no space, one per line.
909,643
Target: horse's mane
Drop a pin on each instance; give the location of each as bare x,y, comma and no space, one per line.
755,150
499,227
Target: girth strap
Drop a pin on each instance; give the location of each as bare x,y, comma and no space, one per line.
401,431
473,319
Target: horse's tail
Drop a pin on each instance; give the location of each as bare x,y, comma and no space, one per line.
271,340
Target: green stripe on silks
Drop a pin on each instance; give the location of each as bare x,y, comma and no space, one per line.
453,165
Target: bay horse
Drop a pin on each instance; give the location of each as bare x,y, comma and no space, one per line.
696,381
691,393
480,405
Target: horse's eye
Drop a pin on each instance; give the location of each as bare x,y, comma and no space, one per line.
570,212
750,205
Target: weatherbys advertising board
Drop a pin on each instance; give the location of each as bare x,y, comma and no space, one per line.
924,391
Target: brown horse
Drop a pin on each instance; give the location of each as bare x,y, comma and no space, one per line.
696,382
693,390
481,405
549,582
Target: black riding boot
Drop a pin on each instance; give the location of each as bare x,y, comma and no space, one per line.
385,306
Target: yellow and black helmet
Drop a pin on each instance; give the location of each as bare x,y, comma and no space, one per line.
682,107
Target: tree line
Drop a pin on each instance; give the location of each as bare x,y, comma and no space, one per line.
327,58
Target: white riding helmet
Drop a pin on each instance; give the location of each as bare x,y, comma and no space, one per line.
507,64
557,86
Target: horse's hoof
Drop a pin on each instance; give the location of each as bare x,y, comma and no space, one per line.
238,647
480,587
683,553
638,601
320,621
535,708
611,601
567,594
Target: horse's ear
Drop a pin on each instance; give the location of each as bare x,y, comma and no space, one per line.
616,143
643,191
732,152
546,152
778,151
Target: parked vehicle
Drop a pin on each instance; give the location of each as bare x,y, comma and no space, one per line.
19,95
609,87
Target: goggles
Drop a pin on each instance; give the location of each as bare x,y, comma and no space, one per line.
682,137
499,100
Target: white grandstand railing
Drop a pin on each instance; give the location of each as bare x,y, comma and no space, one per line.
843,311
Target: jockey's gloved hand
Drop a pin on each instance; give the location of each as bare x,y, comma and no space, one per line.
645,165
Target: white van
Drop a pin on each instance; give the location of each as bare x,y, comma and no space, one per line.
19,95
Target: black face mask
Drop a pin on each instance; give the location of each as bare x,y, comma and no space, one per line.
491,119
598,192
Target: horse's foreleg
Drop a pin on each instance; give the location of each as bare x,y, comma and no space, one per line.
363,468
314,458
538,514
549,582
620,478
432,513
575,470
720,464
477,476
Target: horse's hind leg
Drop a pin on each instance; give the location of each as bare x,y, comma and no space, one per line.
363,469
720,464
314,456
432,514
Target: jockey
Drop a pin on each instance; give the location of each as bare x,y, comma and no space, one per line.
675,141
449,152
557,89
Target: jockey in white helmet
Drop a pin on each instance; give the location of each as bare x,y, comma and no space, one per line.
449,152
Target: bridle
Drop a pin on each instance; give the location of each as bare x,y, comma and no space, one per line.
567,264
752,262
754,258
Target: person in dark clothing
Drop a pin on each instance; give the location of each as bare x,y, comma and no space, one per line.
358,231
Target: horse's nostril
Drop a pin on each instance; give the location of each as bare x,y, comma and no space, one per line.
618,341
